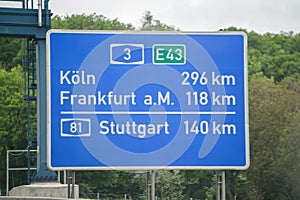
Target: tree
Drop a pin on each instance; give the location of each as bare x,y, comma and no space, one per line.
273,118
274,93
13,118
197,184
274,55
11,53
169,184
88,22
150,24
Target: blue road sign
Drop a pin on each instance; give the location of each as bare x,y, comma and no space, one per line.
128,100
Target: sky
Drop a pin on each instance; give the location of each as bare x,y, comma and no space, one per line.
194,15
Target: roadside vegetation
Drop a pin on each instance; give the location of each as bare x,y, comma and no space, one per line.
274,114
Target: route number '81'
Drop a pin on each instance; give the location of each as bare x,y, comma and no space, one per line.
76,127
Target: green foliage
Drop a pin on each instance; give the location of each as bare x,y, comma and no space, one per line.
197,184
13,118
274,93
274,55
169,184
88,22
151,24
13,110
274,119
237,185
10,53
98,181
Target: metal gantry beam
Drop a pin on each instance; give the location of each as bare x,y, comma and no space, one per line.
19,22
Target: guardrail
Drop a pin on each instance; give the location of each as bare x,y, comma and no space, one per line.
9,168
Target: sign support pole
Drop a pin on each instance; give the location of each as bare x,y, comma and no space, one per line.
217,185
148,185
43,173
153,185
223,186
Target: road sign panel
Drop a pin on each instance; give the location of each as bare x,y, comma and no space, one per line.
147,100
